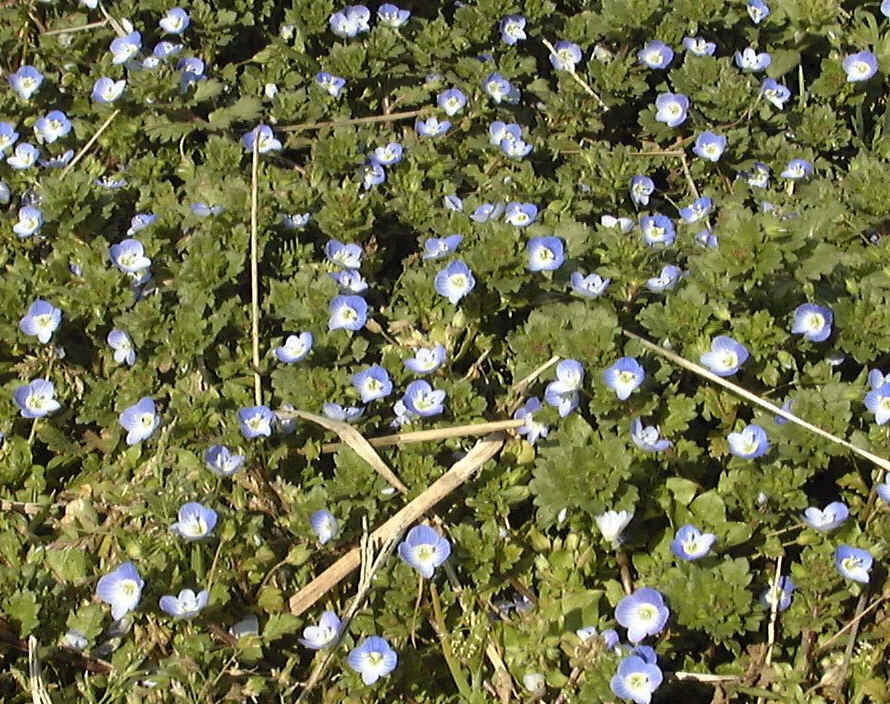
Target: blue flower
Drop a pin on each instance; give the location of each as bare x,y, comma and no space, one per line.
372,383
883,490
690,543
372,174
203,210
129,256
757,11
641,187
725,356
454,281
589,285
780,420
295,348
347,312
8,135
139,222
24,157
58,162
120,342
656,54
750,60
565,56
349,414
531,429
885,8
562,397
392,16
797,169
436,247
699,209
647,438
827,519
125,48
710,146
422,400
666,280
264,137
373,659
487,211
30,222
545,253
41,320
500,89
388,155
324,634
671,108
350,281
176,21
431,127
26,81
164,50
657,229
775,93
185,606
813,322
515,148
295,221
330,83
192,69
783,592
499,131
220,460
750,443
350,21
642,613
324,525
426,361
636,680
424,549
876,378
520,214
107,90
37,399
759,175
860,66
52,126
878,402
454,203
195,521
256,421
698,46
139,420
122,589
624,377
451,101
345,255
706,238
512,29
5,193
853,563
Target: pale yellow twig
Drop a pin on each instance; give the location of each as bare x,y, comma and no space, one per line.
392,117
92,140
78,28
255,273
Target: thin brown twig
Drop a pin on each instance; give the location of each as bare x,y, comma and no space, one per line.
822,648
392,117
78,28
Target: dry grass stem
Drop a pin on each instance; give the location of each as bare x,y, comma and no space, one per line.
90,143
580,81
255,272
78,28
392,117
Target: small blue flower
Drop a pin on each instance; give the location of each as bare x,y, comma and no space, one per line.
520,214
885,8
500,89
641,187
348,414
26,81
883,490
750,60
58,162
185,606
531,429
698,210
121,589
8,135
636,680
120,342
797,169
647,437
176,21
431,127
295,221
657,229
324,525
436,247
164,50
220,460
424,550
331,84
876,379
813,322
264,138
710,146
454,203
24,156
487,211
204,210
757,11
451,101
642,613
698,46
30,222
853,563
515,148
671,108
690,543
783,593
392,16
750,443
348,313
125,48
775,93
52,126
324,634
5,193
780,420
372,174
139,420
878,402
423,400
426,361
107,90
350,281
41,320
373,659
666,280
706,238
565,56
512,29
499,131
139,222
759,175
860,66
589,285
195,521
827,519
454,281
372,383
37,399
350,21
129,256
656,54
545,254
725,356
345,255
192,71
388,155
256,421
295,348
624,377
562,397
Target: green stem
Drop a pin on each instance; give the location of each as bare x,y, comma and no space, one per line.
445,639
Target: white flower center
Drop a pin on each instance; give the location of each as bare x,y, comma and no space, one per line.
458,281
